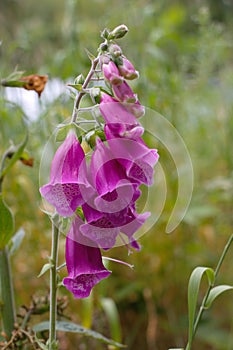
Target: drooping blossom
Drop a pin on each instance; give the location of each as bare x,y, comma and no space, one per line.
124,93
84,263
120,122
68,177
137,159
111,73
113,207
103,228
127,69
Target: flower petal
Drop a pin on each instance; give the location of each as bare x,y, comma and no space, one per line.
84,264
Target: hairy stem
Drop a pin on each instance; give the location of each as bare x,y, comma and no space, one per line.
6,293
53,287
85,84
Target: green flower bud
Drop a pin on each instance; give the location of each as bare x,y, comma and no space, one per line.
115,50
79,79
118,32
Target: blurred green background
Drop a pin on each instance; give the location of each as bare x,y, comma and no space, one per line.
183,50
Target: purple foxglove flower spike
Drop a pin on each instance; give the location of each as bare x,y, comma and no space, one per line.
84,264
127,70
68,177
111,73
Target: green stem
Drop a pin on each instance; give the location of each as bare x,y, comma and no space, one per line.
85,84
203,304
7,295
53,287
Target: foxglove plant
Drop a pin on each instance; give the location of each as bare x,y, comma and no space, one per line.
105,189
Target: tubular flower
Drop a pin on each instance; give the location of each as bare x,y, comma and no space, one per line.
111,73
124,93
68,177
127,70
84,263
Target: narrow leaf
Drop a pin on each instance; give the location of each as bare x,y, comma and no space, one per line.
17,154
12,83
44,269
6,224
215,292
112,314
90,55
17,240
64,326
78,87
193,290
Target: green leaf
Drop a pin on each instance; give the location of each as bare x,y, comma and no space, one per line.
78,87
16,240
112,314
17,152
41,345
64,326
90,55
215,292
193,290
6,224
63,131
44,269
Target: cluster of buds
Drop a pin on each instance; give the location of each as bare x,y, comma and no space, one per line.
101,195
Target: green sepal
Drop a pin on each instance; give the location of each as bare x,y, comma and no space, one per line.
79,79
95,94
6,224
78,87
92,135
64,129
45,268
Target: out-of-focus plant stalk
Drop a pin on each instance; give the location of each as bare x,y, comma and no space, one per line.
7,305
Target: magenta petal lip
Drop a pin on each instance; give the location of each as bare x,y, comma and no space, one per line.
84,264
68,177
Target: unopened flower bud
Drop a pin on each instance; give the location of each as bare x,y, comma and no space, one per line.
115,50
127,70
111,73
79,79
103,47
105,33
118,32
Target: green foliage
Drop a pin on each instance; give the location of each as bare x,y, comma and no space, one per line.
6,224
75,328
